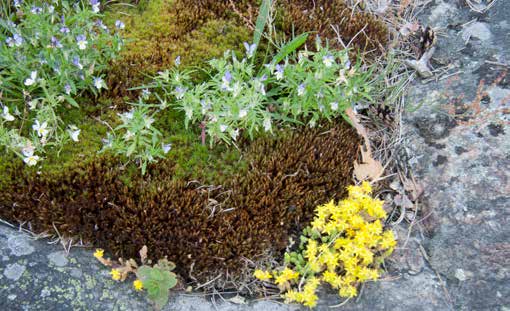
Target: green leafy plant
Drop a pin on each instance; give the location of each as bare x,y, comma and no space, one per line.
50,52
158,280
239,98
136,137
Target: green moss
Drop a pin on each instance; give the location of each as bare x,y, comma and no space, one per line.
157,35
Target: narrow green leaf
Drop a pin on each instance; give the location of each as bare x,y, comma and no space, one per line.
290,47
261,21
71,101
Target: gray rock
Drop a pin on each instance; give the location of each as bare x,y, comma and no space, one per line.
58,258
463,161
14,271
19,245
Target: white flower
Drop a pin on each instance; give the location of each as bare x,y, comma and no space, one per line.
6,115
243,113
98,83
28,150
41,129
223,127
334,106
267,124
32,104
235,134
31,160
328,60
126,115
166,148
250,49
128,135
74,133
280,70
81,40
145,93
32,79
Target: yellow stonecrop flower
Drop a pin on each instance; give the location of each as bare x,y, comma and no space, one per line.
99,253
347,291
115,273
341,247
138,285
285,276
262,275
311,250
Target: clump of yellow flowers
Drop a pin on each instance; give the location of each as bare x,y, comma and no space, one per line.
343,247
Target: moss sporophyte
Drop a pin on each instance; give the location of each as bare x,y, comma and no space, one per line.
342,247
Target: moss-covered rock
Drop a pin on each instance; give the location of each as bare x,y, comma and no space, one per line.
207,227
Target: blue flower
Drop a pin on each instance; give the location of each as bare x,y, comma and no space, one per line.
279,70
166,148
226,79
55,43
95,5
250,49
64,29
67,89
100,24
301,89
177,61
179,92
119,24
82,42
36,10
347,64
76,62
51,9
18,3
15,40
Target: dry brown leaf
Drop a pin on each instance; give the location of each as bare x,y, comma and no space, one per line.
369,168
143,254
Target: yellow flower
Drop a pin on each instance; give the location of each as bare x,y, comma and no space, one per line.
262,275
365,187
115,274
348,291
285,276
99,253
311,250
138,285
332,278
388,240
293,295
